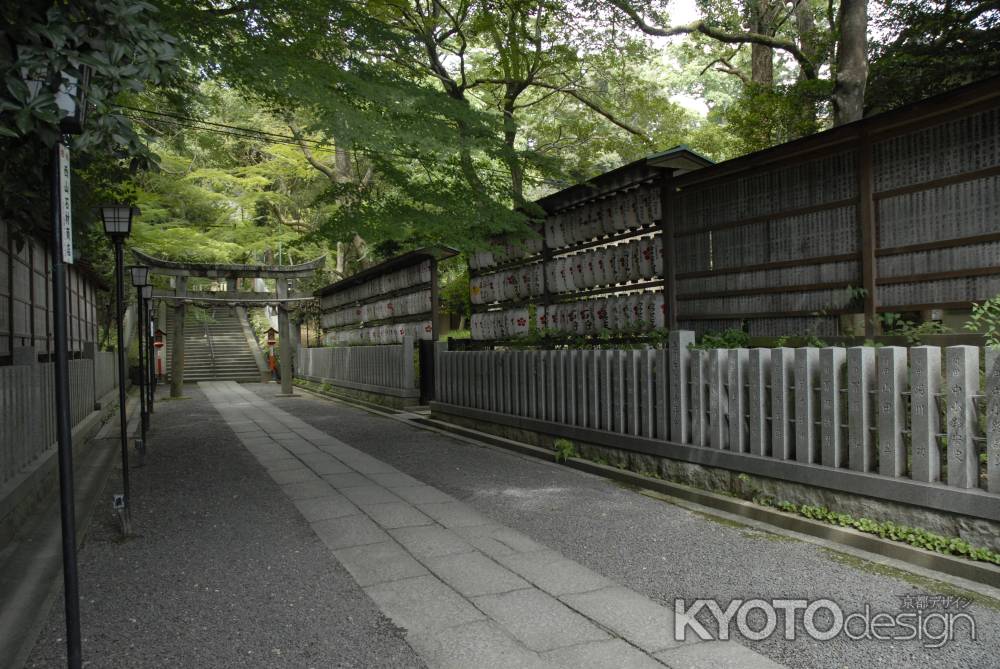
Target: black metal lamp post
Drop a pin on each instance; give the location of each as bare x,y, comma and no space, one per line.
140,278
118,225
71,97
147,298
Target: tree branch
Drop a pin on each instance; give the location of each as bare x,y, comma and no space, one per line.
720,35
573,93
310,158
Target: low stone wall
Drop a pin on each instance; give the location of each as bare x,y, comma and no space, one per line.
390,401
977,531
38,483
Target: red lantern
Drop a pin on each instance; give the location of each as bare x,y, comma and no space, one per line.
159,338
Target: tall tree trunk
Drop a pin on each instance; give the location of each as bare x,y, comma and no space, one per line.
805,26
341,268
763,14
852,62
509,138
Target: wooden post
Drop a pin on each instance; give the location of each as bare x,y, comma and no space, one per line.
177,345
667,242
867,223
435,291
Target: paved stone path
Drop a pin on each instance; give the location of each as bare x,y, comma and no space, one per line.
469,592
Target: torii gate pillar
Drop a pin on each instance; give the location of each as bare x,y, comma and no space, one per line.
285,334
177,345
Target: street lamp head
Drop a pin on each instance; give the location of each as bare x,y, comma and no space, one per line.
71,98
70,90
147,292
140,275
118,219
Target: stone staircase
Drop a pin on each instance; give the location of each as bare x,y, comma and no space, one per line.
215,349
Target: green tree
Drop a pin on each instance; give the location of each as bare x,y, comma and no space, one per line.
46,47
923,48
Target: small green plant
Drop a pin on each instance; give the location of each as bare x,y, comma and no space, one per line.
731,338
985,318
564,450
895,324
914,536
856,297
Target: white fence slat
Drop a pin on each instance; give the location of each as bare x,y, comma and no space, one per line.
632,391
757,396
545,381
680,366
662,408
718,401
925,386
832,361
595,408
993,420
806,410
892,383
442,384
782,437
559,361
490,365
647,393
618,390
963,383
519,393
531,384
699,399
483,372
860,385
739,361
571,386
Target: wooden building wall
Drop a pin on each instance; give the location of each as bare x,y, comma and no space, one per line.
26,298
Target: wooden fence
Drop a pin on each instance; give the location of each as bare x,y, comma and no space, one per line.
898,212
26,298
904,205
27,406
912,425
383,369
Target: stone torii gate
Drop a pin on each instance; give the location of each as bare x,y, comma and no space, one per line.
180,297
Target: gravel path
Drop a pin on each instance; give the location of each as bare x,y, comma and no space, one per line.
223,572
655,548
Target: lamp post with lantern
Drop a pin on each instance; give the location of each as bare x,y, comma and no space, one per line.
117,225
71,99
272,365
159,341
147,298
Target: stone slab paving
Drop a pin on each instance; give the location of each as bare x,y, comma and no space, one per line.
469,592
